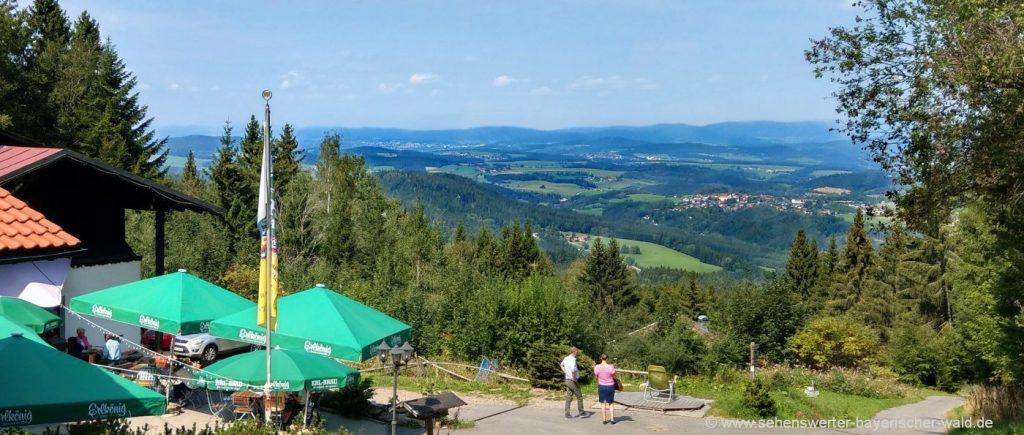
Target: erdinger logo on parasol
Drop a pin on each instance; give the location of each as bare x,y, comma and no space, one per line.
105,410
317,348
101,311
149,322
15,417
251,336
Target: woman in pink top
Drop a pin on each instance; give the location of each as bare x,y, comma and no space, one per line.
605,374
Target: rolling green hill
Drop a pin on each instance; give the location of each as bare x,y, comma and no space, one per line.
653,255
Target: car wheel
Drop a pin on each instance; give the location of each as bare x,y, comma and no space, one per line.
209,353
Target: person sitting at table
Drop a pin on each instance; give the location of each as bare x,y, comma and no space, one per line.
111,349
82,339
291,407
75,348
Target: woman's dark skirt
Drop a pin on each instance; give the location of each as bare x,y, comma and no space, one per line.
606,393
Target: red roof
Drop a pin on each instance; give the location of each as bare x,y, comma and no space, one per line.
21,227
13,158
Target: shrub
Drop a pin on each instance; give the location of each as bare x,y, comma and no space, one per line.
756,397
351,401
679,350
834,342
920,355
544,365
838,380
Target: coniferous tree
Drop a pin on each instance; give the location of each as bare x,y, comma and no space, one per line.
190,174
877,306
231,192
50,33
802,267
287,158
14,89
607,278
696,300
460,234
854,268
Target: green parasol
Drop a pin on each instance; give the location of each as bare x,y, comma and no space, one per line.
28,314
43,385
319,321
176,303
8,327
290,371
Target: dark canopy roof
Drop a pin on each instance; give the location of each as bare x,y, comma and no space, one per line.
27,163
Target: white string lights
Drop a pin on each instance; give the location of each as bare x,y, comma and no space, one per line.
146,351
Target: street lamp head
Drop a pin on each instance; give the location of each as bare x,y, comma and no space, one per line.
407,351
267,95
383,350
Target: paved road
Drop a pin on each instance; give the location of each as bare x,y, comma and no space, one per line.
546,418
535,420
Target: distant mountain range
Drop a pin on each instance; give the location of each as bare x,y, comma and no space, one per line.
742,134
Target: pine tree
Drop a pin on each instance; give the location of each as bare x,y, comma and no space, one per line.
50,33
287,158
801,274
854,269
190,174
14,89
877,306
460,234
696,301
231,192
607,278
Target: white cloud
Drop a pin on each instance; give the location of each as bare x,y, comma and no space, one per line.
541,91
174,86
388,88
422,78
612,83
503,81
290,78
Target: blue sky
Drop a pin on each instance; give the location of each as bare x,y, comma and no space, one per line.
453,64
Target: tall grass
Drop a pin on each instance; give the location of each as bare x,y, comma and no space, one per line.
996,402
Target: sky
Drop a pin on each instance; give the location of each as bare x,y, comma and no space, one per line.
455,64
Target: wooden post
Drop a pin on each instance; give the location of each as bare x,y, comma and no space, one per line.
158,243
158,265
752,346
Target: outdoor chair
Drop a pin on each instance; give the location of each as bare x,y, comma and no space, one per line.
275,406
147,377
243,404
658,387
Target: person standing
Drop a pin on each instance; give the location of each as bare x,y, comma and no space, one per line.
112,350
572,385
605,374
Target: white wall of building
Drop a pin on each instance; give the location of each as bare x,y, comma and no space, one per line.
87,279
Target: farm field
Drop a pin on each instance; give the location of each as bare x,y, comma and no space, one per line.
653,255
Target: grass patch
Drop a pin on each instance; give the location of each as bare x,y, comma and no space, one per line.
564,189
792,403
460,170
649,197
593,211
653,255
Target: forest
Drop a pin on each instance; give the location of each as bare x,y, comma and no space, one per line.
937,302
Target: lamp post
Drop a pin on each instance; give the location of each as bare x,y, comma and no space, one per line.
399,356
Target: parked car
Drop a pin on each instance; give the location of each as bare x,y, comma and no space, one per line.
205,347
149,340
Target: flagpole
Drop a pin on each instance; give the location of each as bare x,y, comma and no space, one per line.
268,248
